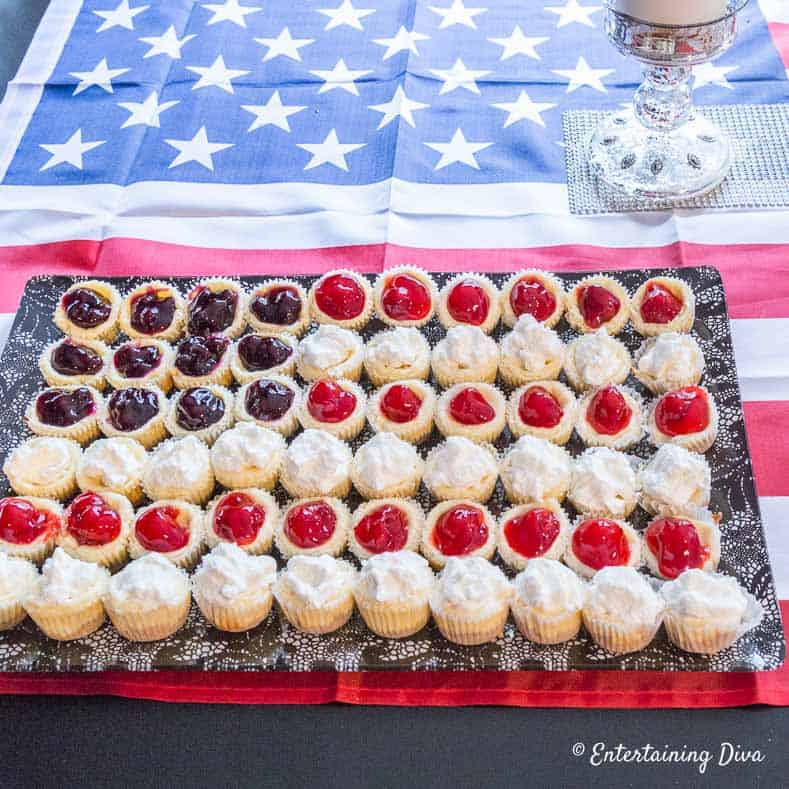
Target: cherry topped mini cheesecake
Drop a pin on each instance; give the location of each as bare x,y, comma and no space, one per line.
271,402
255,355
142,361
469,300
202,360
476,411
202,411
89,311
154,310
70,361
598,302
610,416
384,526
338,407
673,545
405,408
170,527
96,528
663,304
545,409
405,296
216,306
70,411
136,412
29,526
459,528
245,517
342,297
595,543
313,526
687,417
531,531
532,292
277,306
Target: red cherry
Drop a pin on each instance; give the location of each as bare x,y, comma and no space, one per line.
238,518
659,305
539,408
327,401
91,521
469,407
160,530
599,542
460,531
468,303
405,298
597,304
533,533
608,412
400,404
340,297
384,529
676,546
683,411
21,523
530,297
310,525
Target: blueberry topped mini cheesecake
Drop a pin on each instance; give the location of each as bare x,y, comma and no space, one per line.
279,305
257,354
135,412
89,311
66,412
70,361
200,361
216,306
142,361
153,310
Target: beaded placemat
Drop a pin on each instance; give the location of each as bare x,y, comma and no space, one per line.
759,176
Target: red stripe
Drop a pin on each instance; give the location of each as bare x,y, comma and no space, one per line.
780,34
756,276
769,446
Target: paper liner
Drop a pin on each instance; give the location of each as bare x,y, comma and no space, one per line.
416,523
380,374
471,632
215,284
348,428
11,614
431,552
241,375
492,292
61,487
405,490
561,433
542,629
512,375
354,324
617,323
695,442
479,491
298,328
105,332
172,332
35,551
54,378
518,561
83,432
621,638
334,546
684,320
318,620
67,622
208,434
238,616
149,625
415,431
486,433
484,371
580,384
632,433
265,537
661,386
350,369
550,282
393,620
417,273
161,376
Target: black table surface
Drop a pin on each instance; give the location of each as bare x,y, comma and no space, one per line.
79,742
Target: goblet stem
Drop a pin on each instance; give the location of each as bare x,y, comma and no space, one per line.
664,102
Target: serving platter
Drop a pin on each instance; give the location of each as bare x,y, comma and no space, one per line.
276,645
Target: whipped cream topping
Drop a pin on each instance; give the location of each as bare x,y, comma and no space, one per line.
17,578
534,468
622,594
112,462
40,460
315,581
330,346
228,573
671,358
549,587
397,348
534,345
603,480
148,583
713,597
318,459
598,357
677,480
470,588
459,463
396,577
178,462
65,580
386,460
466,348
247,446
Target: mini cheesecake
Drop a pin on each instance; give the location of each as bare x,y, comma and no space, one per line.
70,411
458,528
385,525
69,361
278,306
343,298
405,408
313,526
154,310
202,411
179,468
604,482
532,292
476,411
330,352
29,527
246,517
89,311
610,417
142,361
401,353
598,302
544,409
202,360
136,412
532,531
405,296
663,304
466,354
595,543
673,545
256,355
596,359
687,417
216,306
338,407
171,528
271,402
469,300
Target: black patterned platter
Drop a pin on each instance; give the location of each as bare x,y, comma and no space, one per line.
275,645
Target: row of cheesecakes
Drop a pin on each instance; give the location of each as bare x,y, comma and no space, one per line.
401,296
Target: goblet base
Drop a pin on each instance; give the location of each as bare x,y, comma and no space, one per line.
674,165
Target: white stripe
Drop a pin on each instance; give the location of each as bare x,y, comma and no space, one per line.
775,10
775,515
761,346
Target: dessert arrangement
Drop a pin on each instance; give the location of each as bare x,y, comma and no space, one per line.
407,470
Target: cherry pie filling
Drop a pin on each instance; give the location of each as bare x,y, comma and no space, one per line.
340,297
211,311
152,311
91,521
71,358
238,518
86,308
130,409
532,533
468,302
268,401
597,305
600,542
198,355
60,408
529,296
539,408
676,545
400,404
161,530
279,306
405,298
134,360
21,523
460,530
328,402
383,529
310,525
659,304
683,412
198,408
262,353
469,407
608,412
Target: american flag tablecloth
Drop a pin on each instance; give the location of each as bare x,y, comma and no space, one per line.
257,136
